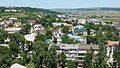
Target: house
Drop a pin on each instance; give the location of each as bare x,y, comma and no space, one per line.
12,18
92,32
32,21
59,24
48,41
30,37
94,21
77,52
76,38
56,35
61,16
7,10
15,22
116,24
12,30
80,30
10,10
2,23
17,66
111,46
5,45
37,28
11,22
1,19
81,21
5,23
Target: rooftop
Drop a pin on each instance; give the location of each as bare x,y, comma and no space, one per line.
112,43
17,66
81,47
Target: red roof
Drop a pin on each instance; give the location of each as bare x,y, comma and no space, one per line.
32,21
112,43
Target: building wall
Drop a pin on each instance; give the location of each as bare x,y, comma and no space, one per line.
75,53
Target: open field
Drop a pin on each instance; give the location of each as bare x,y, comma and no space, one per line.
7,15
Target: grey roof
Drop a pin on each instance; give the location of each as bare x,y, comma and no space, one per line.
81,47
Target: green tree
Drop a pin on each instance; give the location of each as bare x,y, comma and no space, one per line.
3,35
72,64
14,48
101,59
48,34
66,39
5,57
65,29
39,56
52,57
62,59
40,37
88,63
26,29
117,58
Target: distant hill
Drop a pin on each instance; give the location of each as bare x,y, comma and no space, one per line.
28,9
6,12
87,9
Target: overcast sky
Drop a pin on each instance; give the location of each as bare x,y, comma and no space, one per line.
61,3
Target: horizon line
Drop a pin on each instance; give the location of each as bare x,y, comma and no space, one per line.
60,8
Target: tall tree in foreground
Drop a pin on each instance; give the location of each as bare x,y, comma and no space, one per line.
62,60
14,48
100,58
40,50
117,58
88,63
52,57
72,64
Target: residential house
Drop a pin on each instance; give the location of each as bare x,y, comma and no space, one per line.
5,45
12,30
10,10
37,28
76,38
80,30
1,19
94,21
116,24
58,24
30,37
81,21
17,66
111,46
48,41
32,21
15,22
57,35
61,16
11,22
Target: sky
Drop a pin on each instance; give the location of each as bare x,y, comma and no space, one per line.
51,4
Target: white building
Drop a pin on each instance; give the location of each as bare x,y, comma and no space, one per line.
37,28
76,52
59,24
61,16
10,10
13,30
95,21
81,21
17,66
30,37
